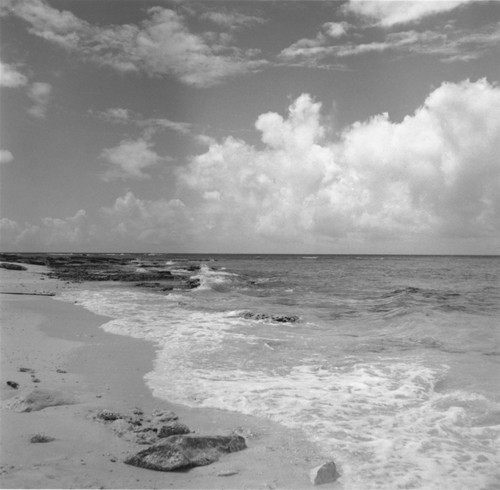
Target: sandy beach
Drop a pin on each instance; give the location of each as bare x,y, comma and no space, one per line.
52,345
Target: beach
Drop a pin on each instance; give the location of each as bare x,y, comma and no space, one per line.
58,346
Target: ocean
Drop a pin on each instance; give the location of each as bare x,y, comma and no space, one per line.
390,364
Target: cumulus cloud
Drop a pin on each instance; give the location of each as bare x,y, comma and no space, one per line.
161,45
52,234
393,12
145,222
6,156
39,93
11,77
436,173
129,159
433,177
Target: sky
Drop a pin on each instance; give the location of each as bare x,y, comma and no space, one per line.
250,126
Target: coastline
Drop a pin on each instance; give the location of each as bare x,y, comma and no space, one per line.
105,371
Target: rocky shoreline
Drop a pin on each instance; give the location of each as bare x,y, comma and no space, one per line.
151,274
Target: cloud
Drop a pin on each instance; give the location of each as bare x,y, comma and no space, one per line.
232,20
11,77
160,45
129,159
389,13
433,178
144,222
39,93
449,44
434,174
125,116
6,156
52,234
336,29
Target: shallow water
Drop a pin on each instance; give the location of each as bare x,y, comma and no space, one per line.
392,367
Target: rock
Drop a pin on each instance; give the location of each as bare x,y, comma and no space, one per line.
13,384
325,473
193,283
173,428
248,315
38,399
164,415
108,415
42,438
186,451
13,267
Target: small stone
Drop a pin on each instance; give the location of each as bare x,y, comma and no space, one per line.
41,438
325,473
13,384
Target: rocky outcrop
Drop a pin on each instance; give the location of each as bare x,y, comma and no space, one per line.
248,315
325,473
186,451
13,267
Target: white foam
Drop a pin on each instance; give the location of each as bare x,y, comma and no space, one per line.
217,280
381,419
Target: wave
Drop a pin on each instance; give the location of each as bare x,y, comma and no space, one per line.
215,280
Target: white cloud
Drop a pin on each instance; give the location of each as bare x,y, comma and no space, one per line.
39,93
161,45
11,77
336,29
53,234
388,13
433,178
129,159
143,222
125,116
6,156
447,44
434,174
232,20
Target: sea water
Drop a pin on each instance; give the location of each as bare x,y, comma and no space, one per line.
392,367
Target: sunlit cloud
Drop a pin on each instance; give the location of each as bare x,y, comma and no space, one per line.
388,13
129,160
10,76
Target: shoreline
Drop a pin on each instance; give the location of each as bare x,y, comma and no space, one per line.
100,374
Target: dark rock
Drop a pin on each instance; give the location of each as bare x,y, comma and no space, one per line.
26,370
193,283
13,384
186,451
173,428
325,473
41,438
13,267
268,317
108,415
